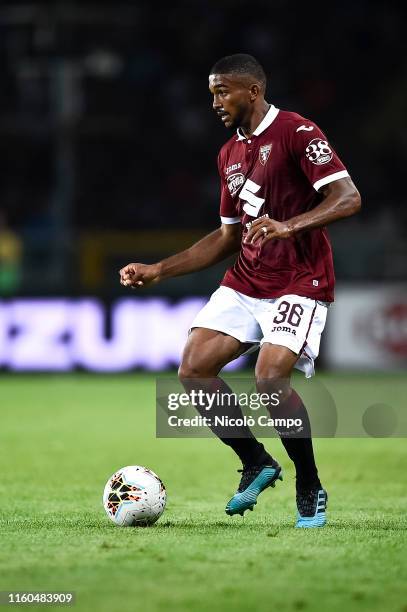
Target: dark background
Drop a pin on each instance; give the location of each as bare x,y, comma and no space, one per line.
108,142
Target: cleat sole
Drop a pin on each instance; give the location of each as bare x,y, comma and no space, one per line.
273,484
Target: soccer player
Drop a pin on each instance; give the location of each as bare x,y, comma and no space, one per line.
281,184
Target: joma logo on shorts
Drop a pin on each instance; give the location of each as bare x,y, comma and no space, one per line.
284,328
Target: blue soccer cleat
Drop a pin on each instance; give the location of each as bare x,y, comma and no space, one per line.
311,505
254,480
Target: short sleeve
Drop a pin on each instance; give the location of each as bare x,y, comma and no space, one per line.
313,152
228,210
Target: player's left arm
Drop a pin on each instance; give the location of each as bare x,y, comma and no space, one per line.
341,199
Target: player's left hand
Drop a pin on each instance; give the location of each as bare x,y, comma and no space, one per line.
263,229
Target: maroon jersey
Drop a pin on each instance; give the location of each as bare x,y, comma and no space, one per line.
279,171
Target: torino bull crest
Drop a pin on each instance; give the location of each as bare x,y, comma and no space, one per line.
264,153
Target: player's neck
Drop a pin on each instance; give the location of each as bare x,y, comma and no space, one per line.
255,119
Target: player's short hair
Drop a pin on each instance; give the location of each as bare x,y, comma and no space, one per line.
241,64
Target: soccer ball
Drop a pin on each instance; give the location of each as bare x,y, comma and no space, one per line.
134,496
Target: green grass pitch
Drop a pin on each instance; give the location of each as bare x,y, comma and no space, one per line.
61,437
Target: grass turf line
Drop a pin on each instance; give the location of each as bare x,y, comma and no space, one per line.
61,438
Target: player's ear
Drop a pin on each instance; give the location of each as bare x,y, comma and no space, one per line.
254,92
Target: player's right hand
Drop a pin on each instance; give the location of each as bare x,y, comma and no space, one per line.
139,275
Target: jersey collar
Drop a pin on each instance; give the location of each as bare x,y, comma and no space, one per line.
264,124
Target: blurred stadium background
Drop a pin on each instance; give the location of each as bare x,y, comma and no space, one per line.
108,150
108,153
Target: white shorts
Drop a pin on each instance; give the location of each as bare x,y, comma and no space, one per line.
291,320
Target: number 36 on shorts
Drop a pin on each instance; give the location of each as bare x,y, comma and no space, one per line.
295,322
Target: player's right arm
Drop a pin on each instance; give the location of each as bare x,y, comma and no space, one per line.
214,247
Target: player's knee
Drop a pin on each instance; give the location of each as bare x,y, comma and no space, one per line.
194,369
270,374
271,378
185,370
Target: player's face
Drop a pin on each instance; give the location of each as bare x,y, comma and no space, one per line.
231,99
